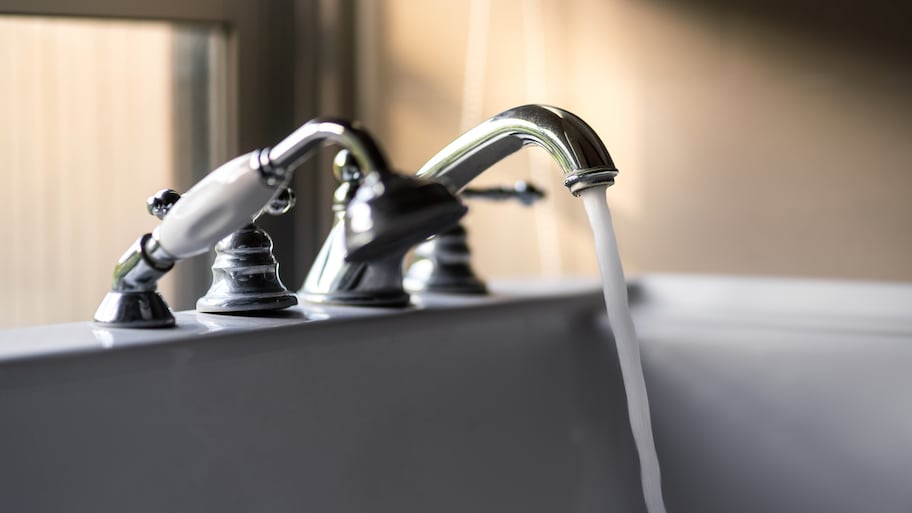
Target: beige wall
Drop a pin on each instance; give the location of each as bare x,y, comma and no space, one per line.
85,134
746,144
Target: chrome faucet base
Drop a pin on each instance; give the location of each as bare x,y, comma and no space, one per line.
245,276
390,299
443,266
133,301
240,304
143,309
377,283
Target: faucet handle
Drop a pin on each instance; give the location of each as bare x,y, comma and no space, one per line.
347,171
345,167
281,203
524,192
161,202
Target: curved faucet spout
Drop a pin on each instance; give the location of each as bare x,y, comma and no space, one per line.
572,143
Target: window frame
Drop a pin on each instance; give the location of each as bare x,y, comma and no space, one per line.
288,61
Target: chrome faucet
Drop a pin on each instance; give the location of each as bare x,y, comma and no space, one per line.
578,151
576,148
388,213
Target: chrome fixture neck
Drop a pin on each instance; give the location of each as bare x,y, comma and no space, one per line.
574,145
276,163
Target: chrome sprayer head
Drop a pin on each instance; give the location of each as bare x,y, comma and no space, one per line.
574,145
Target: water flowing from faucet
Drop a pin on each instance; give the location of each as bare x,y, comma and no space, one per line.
628,349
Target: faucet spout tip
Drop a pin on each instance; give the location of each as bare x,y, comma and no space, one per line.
587,178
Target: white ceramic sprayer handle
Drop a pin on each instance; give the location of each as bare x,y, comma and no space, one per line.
219,204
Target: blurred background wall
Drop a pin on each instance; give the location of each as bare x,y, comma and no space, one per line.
78,98
762,138
753,137
96,116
